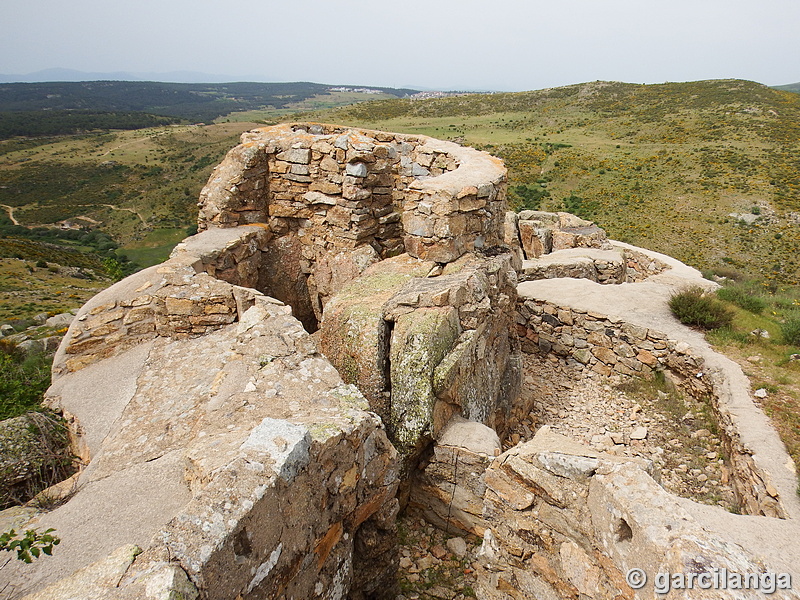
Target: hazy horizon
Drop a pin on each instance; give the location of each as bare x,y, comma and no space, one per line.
192,77
516,45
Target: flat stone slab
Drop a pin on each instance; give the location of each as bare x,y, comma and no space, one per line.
575,256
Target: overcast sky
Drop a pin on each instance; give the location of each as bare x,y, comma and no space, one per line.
440,44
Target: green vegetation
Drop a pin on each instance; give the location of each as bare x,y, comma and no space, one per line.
23,380
744,296
527,196
696,308
763,343
69,107
659,166
63,122
29,545
790,330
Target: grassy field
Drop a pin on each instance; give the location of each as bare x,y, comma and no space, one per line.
678,168
708,172
27,290
155,246
763,339
141,187
130,183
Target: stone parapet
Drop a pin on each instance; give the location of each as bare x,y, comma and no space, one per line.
337,188
248,468
188,295
611,346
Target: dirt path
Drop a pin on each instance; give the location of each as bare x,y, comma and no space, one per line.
130,210
10,211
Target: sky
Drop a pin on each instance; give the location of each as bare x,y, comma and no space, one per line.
503,45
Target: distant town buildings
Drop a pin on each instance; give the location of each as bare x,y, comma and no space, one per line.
351,89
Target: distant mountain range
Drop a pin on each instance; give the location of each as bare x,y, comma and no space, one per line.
789,87
48,75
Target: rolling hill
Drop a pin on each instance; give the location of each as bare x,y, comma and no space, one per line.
706,171
190,101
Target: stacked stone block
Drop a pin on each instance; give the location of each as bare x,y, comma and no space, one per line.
338,188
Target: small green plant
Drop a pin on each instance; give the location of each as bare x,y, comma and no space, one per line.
29,546
742,297
694,307
790,330
23,380
728,335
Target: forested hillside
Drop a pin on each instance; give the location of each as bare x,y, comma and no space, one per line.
30,109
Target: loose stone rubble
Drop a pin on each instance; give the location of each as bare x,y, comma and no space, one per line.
257,460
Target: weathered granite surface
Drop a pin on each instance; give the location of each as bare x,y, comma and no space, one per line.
197,441
423,349
229,458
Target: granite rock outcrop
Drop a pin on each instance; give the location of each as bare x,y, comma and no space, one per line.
343,339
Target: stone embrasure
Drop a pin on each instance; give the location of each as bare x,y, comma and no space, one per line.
253,466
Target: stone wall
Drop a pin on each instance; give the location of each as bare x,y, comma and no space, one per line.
566,522
323,191
249,469
557,245
189,295
612,346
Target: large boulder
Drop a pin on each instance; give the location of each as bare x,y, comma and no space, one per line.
423,349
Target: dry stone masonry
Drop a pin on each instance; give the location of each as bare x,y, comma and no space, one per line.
323,191
345,339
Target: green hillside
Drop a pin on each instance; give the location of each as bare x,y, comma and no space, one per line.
70,107
791,87
661,166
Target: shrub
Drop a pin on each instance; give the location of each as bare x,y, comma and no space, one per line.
694,307
790,330
743,298
23,380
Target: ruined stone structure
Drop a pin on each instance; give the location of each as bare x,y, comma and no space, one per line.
343,339
325,191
